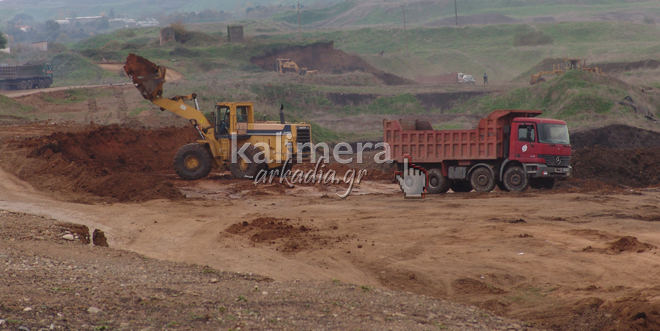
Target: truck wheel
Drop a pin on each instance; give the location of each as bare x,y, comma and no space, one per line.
192,161
41,83
437,183
30,84
459,186
23,85
48,82
482,180
515,179
244,170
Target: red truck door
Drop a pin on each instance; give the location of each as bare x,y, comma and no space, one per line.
525,146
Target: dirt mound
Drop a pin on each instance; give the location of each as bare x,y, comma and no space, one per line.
617,166
615,136
108,149
108,161
617,67
629,244
488,18
289,236
322,56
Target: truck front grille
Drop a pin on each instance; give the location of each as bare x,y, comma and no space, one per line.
556,160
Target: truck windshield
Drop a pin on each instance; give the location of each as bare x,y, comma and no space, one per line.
553,134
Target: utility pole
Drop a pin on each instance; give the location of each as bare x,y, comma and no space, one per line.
456,11
299,28
405,35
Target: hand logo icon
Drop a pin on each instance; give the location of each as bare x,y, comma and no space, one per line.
412,179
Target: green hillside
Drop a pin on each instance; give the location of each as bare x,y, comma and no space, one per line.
579,97
357,13
478,49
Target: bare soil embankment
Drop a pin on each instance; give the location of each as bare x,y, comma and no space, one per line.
322,56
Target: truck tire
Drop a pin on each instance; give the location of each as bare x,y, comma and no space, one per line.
515,179
482,180
244,170
23,85
192,161
437,183
41,84
48,82
30,84
460,186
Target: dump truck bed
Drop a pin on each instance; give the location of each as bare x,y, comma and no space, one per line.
22,71
426,145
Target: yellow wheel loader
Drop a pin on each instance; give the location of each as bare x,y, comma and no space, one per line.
232,140
283,66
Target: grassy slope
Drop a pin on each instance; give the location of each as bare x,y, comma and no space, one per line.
13,108
478,49
420,12
580,98
43,10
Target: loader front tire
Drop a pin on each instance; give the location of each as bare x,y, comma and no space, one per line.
192,161
246,170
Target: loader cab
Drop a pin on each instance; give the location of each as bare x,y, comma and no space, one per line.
233,117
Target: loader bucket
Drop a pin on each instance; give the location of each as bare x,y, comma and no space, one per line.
147,77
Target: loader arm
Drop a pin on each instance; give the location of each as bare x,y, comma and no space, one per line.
149,79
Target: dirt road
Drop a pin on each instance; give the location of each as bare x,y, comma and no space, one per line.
21,93
554,259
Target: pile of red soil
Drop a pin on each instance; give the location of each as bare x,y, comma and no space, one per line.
291,236
111,149
108,161
618,166
322,56
629,244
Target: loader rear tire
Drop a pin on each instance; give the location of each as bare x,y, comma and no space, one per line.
192,161
245,170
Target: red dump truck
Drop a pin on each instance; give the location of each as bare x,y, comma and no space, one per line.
512,149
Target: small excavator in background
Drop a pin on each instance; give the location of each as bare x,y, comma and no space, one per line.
569,64
283,66
232,127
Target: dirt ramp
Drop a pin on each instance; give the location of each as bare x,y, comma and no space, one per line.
322,56
615,136
617,67
618,166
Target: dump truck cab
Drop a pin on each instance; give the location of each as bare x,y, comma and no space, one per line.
542,145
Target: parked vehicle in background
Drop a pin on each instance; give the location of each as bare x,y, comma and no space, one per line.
26,76
453,78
